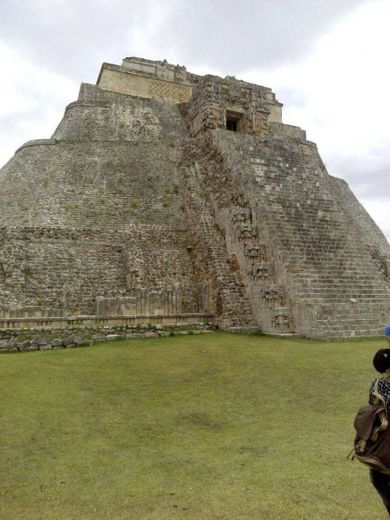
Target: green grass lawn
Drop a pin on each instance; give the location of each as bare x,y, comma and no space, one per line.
211,426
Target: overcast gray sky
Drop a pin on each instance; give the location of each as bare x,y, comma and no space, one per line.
327,61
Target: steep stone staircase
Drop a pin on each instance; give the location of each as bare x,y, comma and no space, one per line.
331,278
240,245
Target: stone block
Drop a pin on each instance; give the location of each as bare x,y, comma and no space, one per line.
151,335
113,337
4,344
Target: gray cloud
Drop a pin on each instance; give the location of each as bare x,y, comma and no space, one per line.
369,181
291,97
370,178
75,37
69,36
236,36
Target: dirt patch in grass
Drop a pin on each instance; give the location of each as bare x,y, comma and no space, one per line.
200,420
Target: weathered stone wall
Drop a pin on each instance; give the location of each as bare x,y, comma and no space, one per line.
103,185
115,231
105,116
68,269
56,333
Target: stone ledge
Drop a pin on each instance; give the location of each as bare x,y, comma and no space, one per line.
20,340
90,321
37,142
242,330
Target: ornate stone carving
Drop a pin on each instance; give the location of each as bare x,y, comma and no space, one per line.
282,319
246,231
240,214
168,90
260,270
255,250
273,296
163,71
132,278
180,73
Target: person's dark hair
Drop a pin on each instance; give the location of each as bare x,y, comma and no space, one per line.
381,360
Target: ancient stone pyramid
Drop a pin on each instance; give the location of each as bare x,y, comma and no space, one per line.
162,192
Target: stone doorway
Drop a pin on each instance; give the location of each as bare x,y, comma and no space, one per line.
234,121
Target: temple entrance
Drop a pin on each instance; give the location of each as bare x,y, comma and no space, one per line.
234,121
231,124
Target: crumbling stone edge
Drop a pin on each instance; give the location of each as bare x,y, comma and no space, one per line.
52,340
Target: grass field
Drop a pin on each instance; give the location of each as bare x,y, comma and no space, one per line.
212,426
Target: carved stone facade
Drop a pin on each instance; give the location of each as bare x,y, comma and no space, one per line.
213,102
148,79
231,104
174,196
